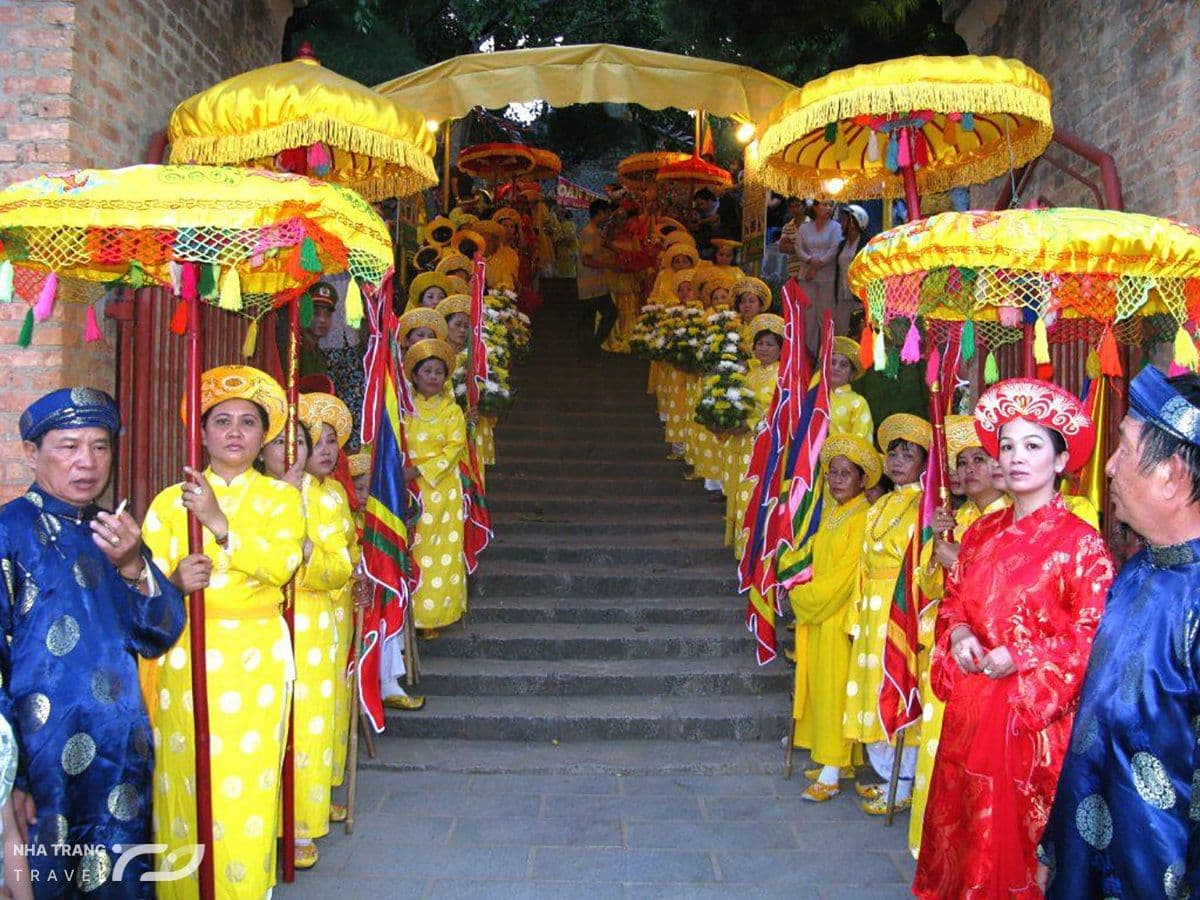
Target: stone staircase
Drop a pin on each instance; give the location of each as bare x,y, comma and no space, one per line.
603,631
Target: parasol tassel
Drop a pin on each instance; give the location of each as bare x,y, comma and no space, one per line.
319,162
309,260
1041,343
968,121
892,159
91,329
951,132
45,301
179,318
231,290
206,283
991,371
306,310
911,352
1186,356
841,146
831,132
967,341
6,282
866,348
188,281
354,303
175,270
903,154
1110,358
25,338
920,148
933,368
251,339
1092,366
872,153
880,351
891,367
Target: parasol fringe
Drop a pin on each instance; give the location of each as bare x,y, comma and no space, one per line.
240,149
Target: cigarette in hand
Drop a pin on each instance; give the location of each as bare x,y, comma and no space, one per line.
121,507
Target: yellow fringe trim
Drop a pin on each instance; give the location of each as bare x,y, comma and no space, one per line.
979,99
241,149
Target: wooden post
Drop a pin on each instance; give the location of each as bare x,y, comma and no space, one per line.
355,711
291,434
446,132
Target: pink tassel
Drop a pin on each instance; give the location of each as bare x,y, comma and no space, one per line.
91,330
45,301
903,155
187,281
933,368
319,162
1175,369
911,351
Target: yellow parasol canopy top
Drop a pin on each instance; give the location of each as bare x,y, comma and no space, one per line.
301,117
546,164
637,172
1077,273
260,238
971,118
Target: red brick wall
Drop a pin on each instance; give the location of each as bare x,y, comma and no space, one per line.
1125,76
87,83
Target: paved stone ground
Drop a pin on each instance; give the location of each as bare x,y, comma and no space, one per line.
457,835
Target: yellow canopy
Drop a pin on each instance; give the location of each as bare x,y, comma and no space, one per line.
268,234
978,116
1058,264
375,146
587,73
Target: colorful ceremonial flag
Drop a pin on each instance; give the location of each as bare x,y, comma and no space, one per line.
799,510
1093,483
477,520
390,506
756,568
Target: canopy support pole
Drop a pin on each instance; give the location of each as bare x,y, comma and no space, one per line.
291,435
195,532
446,166
699,130
912,199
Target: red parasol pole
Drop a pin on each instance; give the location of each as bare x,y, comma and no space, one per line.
204,823
912,199
292,434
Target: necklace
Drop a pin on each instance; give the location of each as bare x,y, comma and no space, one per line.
877,535
842,513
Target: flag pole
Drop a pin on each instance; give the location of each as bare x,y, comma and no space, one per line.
352,752
195,538
894,781
291,434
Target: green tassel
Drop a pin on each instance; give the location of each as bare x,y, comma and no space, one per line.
306,311
309,261
991,371
892,369
967,342
135,278
831,131
25,338
206,284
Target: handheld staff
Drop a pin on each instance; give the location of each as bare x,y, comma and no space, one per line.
292,433
352,779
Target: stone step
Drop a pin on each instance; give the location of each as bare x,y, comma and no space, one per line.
447,676
722,609
503,577
554,641
501,500
511,467
531,452
704,758
554,485
660,718
615,551
659,529
551,430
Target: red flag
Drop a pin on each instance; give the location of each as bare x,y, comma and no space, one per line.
477,522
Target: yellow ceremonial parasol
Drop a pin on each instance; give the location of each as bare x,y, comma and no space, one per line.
1070,273
546,164
906,127
302,118
242,239
497,162
636,173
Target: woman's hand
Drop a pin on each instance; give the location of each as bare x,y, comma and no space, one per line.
473,415
193,573
411,473
363,590
945,553
998,663
943,520
966,649
295,475
199,499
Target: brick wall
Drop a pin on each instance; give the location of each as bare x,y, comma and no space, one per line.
1125,76
87,83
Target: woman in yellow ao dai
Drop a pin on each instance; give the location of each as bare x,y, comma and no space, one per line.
821,607
320,584
675,258
767,343
702,449
437,438
889,527
974,470
675,380
848,409
253,543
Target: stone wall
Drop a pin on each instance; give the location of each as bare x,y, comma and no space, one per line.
87,83
1125,76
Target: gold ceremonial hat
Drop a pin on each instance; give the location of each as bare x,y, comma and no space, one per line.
858,452
319,408
428,349
907,426
243,383
420,316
